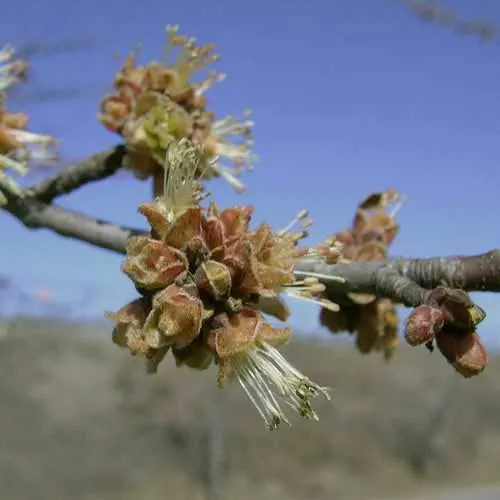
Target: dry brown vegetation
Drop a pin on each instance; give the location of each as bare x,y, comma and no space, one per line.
81,420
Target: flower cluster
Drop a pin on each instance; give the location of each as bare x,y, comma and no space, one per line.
12,70
373,320
18,147
206,280
449,318
159,103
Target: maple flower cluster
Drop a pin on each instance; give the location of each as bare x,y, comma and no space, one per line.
18,146
373,320
206,280
159,103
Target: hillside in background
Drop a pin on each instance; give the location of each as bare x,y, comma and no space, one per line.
80,420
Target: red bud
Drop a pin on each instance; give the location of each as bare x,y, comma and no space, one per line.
466,353
423,324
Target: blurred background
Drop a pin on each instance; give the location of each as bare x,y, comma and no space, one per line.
349,97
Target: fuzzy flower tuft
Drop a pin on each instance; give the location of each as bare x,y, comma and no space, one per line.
207,282
12,70
161,102
18,146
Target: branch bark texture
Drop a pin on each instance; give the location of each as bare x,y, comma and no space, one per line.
93,168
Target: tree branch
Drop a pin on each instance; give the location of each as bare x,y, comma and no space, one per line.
35,215
93,168
404,281
473,273
379,278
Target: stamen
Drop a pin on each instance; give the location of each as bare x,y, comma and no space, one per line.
180,189
319,301
18,166
298,218
262,367
212,79
319,276
398,203
229,176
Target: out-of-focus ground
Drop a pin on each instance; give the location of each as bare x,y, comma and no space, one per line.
481,493
81,420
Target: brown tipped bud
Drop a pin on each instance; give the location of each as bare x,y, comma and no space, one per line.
423,324
466,353
214,279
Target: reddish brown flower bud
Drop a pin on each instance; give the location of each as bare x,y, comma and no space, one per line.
157,216
235,333
465,352
175,229
175,319
129,321
214,279
151,264
423,324
237,258
184,228
461,314
158,77
235,220
115,108
371,250
213,235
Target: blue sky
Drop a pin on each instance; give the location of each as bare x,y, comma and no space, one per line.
349,97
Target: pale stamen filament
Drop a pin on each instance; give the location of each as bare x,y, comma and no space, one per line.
264,365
